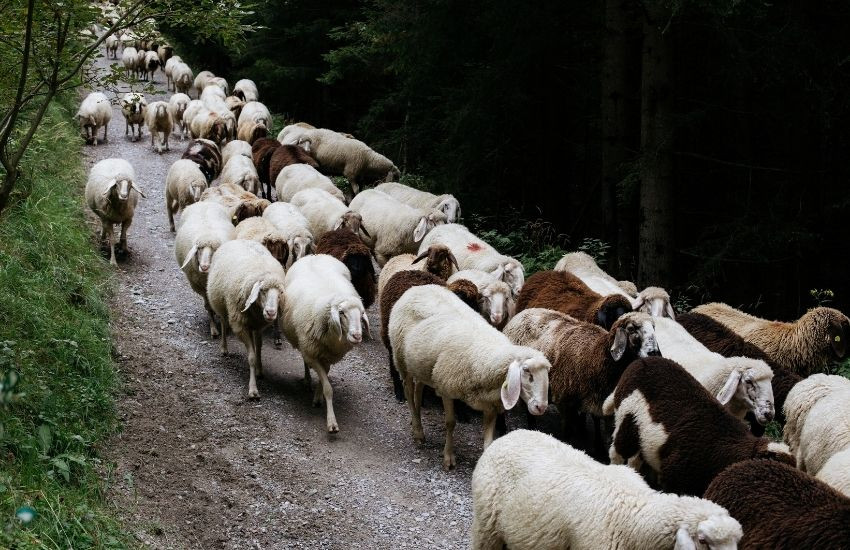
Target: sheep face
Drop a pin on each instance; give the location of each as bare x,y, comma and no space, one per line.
347,319
278,249
439,261
451,208
267,297
493,303
634,333
718,532
300,247
655,301
196,190
352,221
202,254
837,333
427,223
750,385
527,378
511,273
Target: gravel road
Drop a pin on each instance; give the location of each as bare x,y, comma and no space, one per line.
197,465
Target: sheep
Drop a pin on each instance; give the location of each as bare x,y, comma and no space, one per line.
246,90
818,420
204,227
395,226
264,232
240,171
159,121
291,132
95,111
256,112
347,247
181,75
446,204
201,80
133,106
564,292
323,320
348,157
804,346
586,360
530,491
207,155
128,58
720,339
234,104
664,416
438,341
781,507
289,220
164,52
251,131
836,472
112,46
395,287
325,212
473,253
213,98
168,68
149,65
245,288
495,299
287,155
184,184
209,125
109,194
261,153
141,55
217,82
177,105
741,384
439,261
234,148
240,204
295,177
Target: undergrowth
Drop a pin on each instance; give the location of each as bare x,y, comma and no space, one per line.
58,378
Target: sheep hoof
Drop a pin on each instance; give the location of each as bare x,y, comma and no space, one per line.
333,428
278,343
317,402
449,462
253,395
418,437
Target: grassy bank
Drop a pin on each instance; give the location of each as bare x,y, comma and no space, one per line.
54,334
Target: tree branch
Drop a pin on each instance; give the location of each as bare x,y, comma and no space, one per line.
22,82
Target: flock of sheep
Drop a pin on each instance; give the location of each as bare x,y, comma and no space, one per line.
687,395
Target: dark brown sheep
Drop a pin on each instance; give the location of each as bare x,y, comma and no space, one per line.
719,338
439,261
564,292
207,155
396,286
286,155
682,432
261,155
347,247
782,508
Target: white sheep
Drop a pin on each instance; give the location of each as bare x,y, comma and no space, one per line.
817,428
495,300
110,194
214,98
208,124
257,112
140,62
204,227
169,66
177,105
295,177
246,288
201,81
394,226
740,383
234,148
95,111
446,204
112,46
128,58
133,106
195,106
530,491
181,75
323,318
184,185
836,472
325,212
217,82
473,253
246,90
239,170
289,221
439,341
159,121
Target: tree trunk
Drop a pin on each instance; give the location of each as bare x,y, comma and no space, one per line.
656,238
9,181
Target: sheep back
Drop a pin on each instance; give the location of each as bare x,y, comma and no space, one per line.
347,247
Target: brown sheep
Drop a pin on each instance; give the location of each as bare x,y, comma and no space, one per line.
439,260
261,154
347,247
251,131
564,292
805,346
286,155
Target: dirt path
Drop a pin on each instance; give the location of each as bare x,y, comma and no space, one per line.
199,466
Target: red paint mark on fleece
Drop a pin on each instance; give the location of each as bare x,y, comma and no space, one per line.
474,247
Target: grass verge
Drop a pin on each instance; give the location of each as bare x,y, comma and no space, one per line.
54,334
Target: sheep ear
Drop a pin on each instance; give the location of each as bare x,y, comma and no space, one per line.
638,303
109,187
421,229
365,319
512,386
255,293
618,348
728,390
454,261
499,273
363,229
339,223
684,540
136,187
420,257
189,256
335,322
668,310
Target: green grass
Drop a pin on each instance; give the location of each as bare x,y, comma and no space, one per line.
54,333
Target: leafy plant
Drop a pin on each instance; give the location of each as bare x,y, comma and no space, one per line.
822,296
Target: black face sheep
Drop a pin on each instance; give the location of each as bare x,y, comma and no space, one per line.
245,288
207,155
395,287
782,508
112,194
564,292
530,492
261,155
133,107
438,341
670,421
805,346
347,247
95,111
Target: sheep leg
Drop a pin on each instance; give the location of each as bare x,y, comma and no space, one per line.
258,348
105,128
213,327
169,207
418,388
398,385
415,418
489,426
125,225
153,144
165,139
126,127
278,328
224,326
248,339
328,392
307,379
110,239
449,450
626,444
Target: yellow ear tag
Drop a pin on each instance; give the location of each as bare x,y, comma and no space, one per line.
838,338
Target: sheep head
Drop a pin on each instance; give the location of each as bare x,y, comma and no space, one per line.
749,384
268,296
299,247
347,318
278,248
439,262
122,189
527,377
494,301
427,223
717,532
202,252
655,301
352,221
634,333
451,208
610,309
